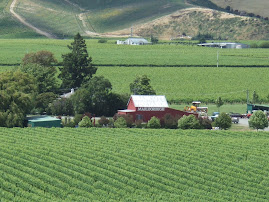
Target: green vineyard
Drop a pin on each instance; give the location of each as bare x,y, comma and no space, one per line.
133,165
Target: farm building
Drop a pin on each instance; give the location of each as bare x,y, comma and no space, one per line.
43,121
68,95
255,107
225,45
134,41
143,107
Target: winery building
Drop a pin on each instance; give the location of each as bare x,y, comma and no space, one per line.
143,107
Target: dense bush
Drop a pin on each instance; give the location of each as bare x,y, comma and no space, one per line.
205,123
102,41
103,121
188,122
154,122
85,122
258,120
170,121
120,123
264,45
223,121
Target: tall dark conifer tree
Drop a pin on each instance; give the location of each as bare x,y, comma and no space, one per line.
77,67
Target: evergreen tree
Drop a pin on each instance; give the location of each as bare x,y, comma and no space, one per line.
77,67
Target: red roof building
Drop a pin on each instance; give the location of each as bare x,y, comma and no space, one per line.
143,107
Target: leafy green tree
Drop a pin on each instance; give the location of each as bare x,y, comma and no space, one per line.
154,122
188,122
258,120
77,65
96,97
17,92
43,100
219,102
223,121
85,122
120,123
43,58
40,65
141,86
62,106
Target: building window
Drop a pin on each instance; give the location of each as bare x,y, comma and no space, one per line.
139,117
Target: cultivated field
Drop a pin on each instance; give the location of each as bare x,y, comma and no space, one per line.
136,165
171,68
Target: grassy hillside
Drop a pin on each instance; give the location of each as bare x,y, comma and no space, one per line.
133,165
10,27
219,24
258,7
69,17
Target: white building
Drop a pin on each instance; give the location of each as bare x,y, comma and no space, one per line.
225,45
134,41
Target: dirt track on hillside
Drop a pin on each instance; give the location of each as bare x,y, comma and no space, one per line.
23,21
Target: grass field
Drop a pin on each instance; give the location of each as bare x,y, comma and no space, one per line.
133,165
179,83
12,51
197,83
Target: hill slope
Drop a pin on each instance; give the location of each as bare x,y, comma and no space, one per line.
258,7
132,165
10,27
194,20
64,18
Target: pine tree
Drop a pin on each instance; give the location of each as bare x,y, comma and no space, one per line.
77,67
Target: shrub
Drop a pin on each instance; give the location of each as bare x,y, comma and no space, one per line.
120,123
77,118
258,120
254,45
223,121
170,121
103,121
85,122
264,45
188,122
102,41
138,123
205,123
154,122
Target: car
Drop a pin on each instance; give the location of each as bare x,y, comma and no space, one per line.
235,119
214,116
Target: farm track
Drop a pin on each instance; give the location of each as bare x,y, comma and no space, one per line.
23,21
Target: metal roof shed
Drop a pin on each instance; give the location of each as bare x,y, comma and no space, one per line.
43,121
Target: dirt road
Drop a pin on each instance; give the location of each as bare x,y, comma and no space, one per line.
23,21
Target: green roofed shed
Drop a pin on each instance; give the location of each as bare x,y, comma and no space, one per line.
43,121
254,107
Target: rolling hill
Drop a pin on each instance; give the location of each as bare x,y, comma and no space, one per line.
258,7
64,18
